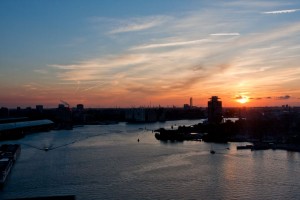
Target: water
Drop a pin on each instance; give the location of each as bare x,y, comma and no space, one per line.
107,162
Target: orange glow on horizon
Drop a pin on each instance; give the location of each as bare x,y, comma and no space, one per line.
242,99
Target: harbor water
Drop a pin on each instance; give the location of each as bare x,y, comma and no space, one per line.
108,162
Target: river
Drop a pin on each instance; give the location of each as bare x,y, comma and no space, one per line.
107,162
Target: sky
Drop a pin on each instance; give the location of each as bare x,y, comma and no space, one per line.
116,53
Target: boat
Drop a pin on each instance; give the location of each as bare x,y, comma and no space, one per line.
211,150
5,167
8,155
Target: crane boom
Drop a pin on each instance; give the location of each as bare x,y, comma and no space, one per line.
65,103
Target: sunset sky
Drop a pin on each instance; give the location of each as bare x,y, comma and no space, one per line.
119,53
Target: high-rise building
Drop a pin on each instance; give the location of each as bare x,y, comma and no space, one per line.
214,110
191,102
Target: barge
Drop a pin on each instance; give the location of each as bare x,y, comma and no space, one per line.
9,153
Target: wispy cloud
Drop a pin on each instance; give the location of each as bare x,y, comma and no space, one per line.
187,53
283,97
239,97
138,24
281,11
256,3
170,44
225,34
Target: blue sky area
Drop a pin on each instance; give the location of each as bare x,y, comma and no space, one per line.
129,53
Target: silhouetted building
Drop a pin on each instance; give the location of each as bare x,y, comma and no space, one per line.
191,102
136,115
145,114
214,110
39,108
79,116
139,115
63,117
80,107
4,112
186,106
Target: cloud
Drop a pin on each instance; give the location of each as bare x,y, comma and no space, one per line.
238,97
188,52
170,44
283,97
255,4
255,98
225,34
138,24
281,11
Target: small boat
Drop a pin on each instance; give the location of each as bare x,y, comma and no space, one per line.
211,150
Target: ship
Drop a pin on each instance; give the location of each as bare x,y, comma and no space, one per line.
9,153
5,167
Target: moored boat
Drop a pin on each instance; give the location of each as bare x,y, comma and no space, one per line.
8,155
5,168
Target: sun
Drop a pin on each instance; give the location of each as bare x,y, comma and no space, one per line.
242,99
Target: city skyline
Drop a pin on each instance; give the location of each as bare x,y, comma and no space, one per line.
141,53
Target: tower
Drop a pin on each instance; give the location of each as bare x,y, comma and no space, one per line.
214,110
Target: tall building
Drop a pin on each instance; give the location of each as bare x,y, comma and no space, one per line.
79,115
63,117
214,110
191,102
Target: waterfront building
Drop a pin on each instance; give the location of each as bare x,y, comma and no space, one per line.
4,112
79,116
80,107
39,108
63,117
186,106
214,110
